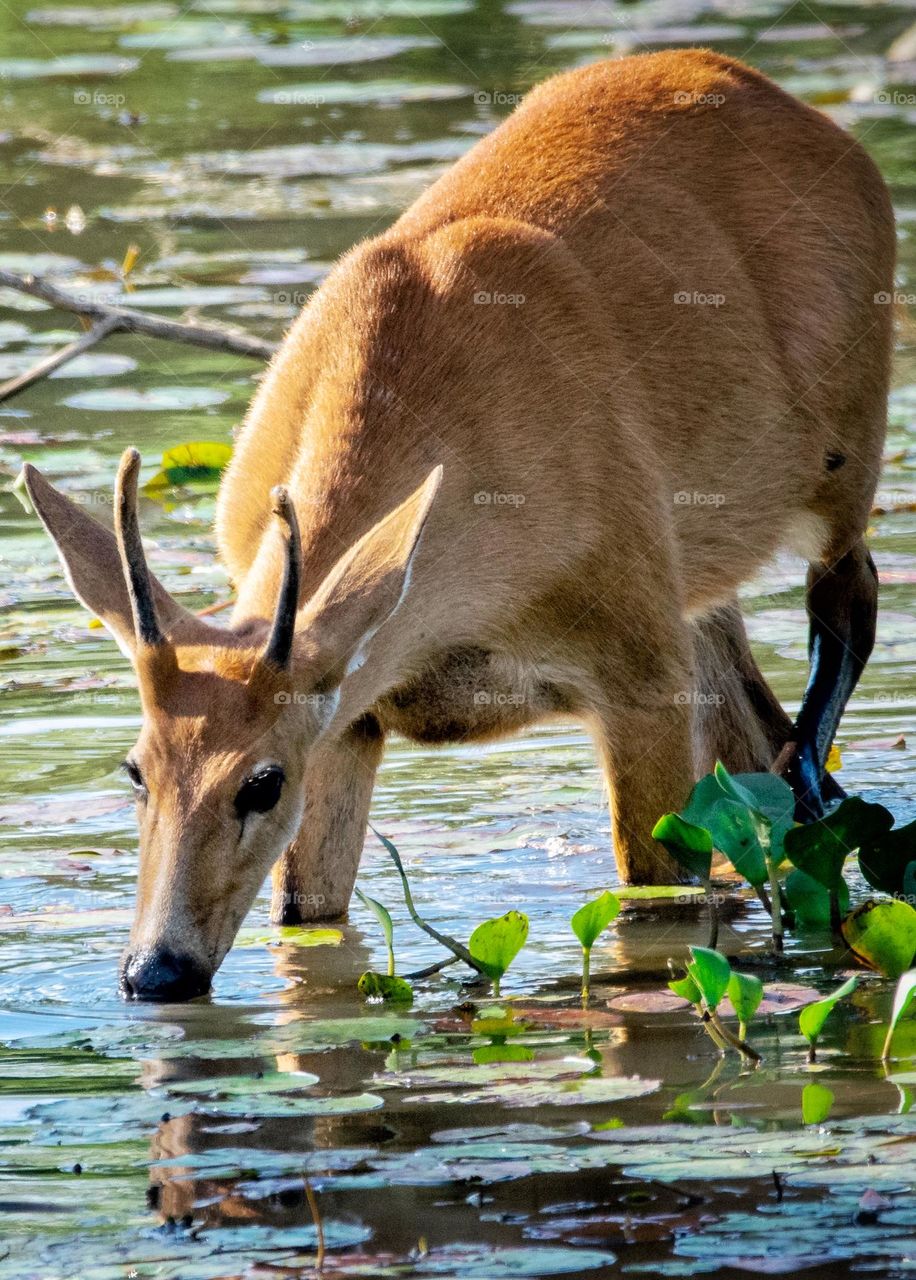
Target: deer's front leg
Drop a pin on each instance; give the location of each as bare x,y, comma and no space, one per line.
648,764
313,879
642,726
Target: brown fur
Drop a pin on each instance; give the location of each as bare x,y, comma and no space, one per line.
561,571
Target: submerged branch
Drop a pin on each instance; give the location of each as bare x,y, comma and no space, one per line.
113,319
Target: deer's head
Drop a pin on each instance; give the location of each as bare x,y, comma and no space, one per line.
229,716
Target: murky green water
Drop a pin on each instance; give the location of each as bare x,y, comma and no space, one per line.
242,145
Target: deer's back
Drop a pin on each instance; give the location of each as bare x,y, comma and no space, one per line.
656,279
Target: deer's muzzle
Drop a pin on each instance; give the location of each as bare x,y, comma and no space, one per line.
160,974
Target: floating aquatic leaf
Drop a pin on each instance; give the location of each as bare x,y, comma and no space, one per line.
505,1262
289,936
198,463
267,1105
332,93
133,400
812,1018
489,1053
883,935
588,1090
381,986
656,1001
662,893
243,1086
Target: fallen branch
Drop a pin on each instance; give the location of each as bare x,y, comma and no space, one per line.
111,319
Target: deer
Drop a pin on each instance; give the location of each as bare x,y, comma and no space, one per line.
513,461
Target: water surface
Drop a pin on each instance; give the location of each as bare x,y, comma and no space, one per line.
242,145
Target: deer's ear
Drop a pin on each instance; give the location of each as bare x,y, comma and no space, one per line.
89,554
366,585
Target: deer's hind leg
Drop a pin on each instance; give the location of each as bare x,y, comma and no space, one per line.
314,878
737,717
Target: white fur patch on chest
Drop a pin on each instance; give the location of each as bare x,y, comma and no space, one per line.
806,535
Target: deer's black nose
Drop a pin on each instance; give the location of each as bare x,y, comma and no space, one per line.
162,975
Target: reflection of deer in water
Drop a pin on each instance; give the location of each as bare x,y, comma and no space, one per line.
313,978
643,328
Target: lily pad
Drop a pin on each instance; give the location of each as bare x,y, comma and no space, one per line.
243,1086
289,936
589,1090
155,399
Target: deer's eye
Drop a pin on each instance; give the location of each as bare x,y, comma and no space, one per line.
260,792
132,769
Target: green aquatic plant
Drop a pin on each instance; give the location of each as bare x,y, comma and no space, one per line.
820,848
749,819
588,923
383,986
888,861
691,846
816,1103
745,991
810,902
383,916
906,989
883,935
708,979
811,1019
746,817
495,944
458,950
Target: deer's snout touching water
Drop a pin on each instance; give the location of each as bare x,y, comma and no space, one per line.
513,460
